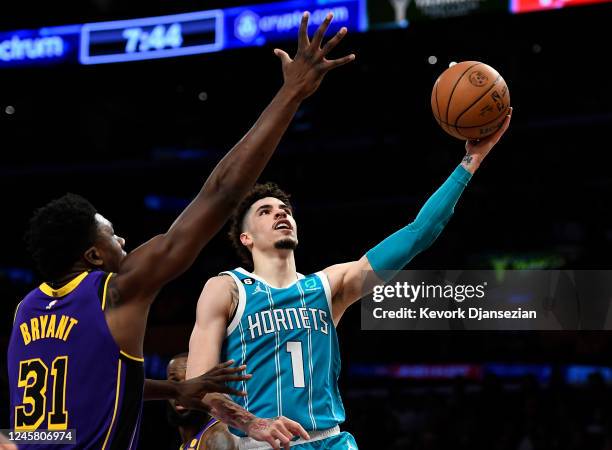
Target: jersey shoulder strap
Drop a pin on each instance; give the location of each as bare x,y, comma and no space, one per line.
241,279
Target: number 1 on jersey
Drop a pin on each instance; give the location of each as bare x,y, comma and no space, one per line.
58,417
294,348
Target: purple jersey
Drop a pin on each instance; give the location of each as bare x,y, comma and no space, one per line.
67,372
197,442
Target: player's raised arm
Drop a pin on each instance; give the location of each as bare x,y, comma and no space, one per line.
166,256
393,253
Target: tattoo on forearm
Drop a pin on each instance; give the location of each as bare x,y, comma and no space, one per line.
260,425
225,410
467,159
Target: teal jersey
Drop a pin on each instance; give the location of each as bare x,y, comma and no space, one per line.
288,341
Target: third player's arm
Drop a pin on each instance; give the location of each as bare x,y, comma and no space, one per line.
218,299
393,253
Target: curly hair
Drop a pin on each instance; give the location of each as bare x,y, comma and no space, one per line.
258,192
59,233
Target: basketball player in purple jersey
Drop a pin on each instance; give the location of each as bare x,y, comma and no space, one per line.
198,430
75,352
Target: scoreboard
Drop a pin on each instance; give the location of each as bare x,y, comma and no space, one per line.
175,35
151,38
238,26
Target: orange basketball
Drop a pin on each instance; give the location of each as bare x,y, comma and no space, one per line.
470,100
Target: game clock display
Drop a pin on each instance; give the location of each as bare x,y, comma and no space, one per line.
150,38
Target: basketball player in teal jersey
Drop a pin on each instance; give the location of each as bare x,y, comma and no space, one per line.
75,353
282,324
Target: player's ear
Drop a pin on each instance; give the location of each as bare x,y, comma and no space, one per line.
93,256
246,239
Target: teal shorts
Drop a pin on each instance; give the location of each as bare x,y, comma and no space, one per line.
342,441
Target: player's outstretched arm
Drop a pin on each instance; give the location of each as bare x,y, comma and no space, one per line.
218,299
149,267
392,254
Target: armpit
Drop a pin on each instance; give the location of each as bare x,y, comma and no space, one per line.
234,298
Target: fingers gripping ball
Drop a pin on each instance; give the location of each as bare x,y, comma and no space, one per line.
470,100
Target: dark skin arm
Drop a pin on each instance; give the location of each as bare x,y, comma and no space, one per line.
149,267
189,393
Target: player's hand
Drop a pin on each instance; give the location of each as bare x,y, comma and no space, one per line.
277,432
477,150
303,74
190,392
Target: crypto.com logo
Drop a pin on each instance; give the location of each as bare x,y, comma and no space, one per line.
246,27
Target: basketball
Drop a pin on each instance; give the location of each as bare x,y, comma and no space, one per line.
470,100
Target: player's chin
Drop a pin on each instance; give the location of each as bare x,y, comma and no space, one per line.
286,243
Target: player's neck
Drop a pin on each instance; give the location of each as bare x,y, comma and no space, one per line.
277,269
76,270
